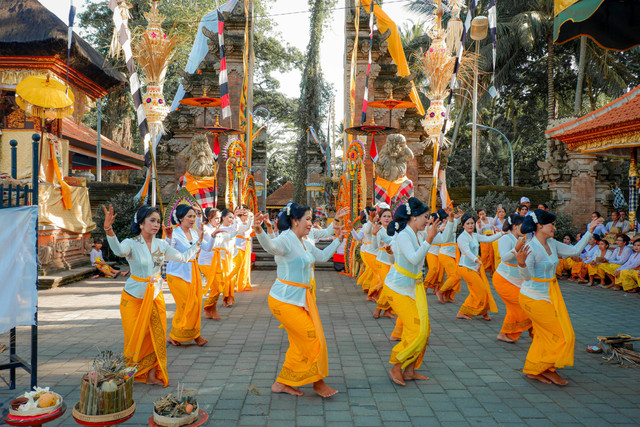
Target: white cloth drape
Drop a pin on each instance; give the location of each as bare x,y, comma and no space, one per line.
19,267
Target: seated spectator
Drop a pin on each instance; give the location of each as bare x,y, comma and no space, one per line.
579,268
615,225
98,262
618,257
600,229
523,210
564,264
626,276
623,218
543,206
597,257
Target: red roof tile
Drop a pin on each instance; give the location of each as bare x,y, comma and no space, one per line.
282,196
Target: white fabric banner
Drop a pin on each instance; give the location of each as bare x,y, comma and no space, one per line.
19,267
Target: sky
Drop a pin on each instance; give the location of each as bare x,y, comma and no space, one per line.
292,21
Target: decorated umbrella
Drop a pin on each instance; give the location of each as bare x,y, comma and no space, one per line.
217,129
613,25
44,97
371,130
392,104
203,102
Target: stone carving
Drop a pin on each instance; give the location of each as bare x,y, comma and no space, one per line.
199,157
88,244
393,158
46,254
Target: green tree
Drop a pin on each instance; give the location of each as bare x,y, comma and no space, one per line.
315,95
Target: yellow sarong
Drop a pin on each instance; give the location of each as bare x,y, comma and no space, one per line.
435,275
516,320
242,268
369,275
554,340
307,360
383,270
607,268
629,279
217,275
480,300
188,296
414,315
450,266
144,322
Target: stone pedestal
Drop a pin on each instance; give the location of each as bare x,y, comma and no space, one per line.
60,250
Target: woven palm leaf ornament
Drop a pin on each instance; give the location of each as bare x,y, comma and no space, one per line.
182,197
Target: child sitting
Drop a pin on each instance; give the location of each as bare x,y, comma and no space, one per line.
99,262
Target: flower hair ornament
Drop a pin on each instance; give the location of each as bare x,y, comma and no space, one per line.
397,226
534,217
135,217
288,209
509,221
408,208
175,217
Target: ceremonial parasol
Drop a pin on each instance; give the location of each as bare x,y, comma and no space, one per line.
203,102
371,130
217,130
44,97
392,104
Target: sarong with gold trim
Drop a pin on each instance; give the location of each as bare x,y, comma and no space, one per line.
607,268
629,279
554,340
414,315
188,296
515,320
144,322
307,360
480,300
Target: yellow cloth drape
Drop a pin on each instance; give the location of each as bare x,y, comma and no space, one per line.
395,48
242,269
51,210
64,187
144,322
554,340
315,364
435,275
413,350
516,320
217,275
391,187
193,184
188,316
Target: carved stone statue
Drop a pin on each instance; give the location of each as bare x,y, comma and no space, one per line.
392,184
199,157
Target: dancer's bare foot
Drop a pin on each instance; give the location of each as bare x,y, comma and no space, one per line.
463,316
370,298
152,377
124,273
440,296
452,301
503,337
409,374
395,338
211,314
201,341
554,378
389,314
174,342
486,317
376,314
323,389
396,374
539,378
283,388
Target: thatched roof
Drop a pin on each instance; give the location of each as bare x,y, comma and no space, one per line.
28,29
282,196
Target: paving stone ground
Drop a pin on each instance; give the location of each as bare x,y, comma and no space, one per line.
475,380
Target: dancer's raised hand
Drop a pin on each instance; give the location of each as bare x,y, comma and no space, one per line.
109,217
200,231
432,229
168,231
341,212
258,219
459,214
521,242
522,255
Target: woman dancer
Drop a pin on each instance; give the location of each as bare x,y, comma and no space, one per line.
435,275
449,257
405,288
242,259
144,318
184,280
367,249
216,263
382,266
498,224
507,281
291,300
540,297
480,301
618,257
485,226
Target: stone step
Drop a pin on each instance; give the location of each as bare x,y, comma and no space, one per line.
65,277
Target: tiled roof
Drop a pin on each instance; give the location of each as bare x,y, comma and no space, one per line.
282,196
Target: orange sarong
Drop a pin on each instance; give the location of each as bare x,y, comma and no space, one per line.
435,275
554,340
480,300
144,322
188,316
452,285
486,256
516,320
307,360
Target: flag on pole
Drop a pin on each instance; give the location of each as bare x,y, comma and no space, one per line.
223,80
352,74
493,22
444,194
365,100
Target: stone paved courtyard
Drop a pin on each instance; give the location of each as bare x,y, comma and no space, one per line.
475,380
